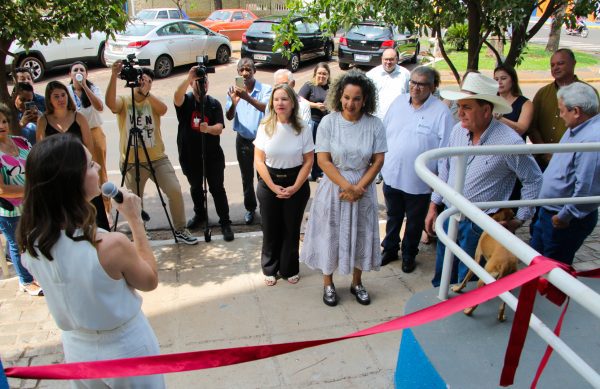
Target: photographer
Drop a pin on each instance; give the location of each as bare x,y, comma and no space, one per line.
148,109
193,130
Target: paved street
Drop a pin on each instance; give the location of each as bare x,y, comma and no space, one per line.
213,295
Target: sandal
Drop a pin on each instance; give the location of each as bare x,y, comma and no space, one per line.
270,280
294,279
32,289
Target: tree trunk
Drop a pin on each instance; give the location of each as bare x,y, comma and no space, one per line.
438,34
473,41
5,97
554,37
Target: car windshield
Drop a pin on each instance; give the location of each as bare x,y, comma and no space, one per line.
219,15
138,29
261,27
146,14
369,30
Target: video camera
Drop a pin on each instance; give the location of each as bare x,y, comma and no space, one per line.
131,74
202,70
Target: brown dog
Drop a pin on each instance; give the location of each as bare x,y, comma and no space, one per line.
500,261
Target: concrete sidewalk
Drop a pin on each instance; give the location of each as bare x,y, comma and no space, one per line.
212,296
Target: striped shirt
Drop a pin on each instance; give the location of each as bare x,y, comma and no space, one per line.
13,173
492,177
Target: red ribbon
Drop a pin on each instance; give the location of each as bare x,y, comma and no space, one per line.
520,324
171,363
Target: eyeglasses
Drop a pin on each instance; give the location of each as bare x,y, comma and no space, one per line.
419,85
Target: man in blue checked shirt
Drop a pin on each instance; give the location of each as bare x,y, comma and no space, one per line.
488,177
560,230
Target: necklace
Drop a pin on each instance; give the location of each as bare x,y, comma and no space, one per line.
9,147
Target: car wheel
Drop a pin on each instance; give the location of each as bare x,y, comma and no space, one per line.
35,64
328,52
223,54
294,62
101,57
344,65
414,58
163,66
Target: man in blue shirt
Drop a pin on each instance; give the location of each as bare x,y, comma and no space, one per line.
560,230
246,107
28,112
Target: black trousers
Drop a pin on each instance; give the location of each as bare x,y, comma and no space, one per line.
281,220
215,177
399,203
244,149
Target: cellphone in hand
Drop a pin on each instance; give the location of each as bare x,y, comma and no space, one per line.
239,82
30,106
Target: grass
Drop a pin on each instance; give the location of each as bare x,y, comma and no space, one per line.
535,58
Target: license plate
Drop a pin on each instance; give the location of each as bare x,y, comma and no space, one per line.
260,57
362,58
117,48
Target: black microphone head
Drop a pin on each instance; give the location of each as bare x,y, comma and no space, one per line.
109,190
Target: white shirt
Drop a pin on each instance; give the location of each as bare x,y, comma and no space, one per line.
389,86
285,149
411,132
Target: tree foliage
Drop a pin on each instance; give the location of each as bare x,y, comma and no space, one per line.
485,19
46,20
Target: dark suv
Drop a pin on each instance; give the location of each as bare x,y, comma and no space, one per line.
257,43
365,43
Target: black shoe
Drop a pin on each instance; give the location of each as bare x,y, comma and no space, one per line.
362,296
330,296
408,265
227,233
388,256
195,222
249,217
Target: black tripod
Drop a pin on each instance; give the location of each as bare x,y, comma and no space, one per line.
201,83
136,139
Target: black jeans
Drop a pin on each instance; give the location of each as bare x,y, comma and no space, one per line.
399,203
281,221
215,167
316,171
244,149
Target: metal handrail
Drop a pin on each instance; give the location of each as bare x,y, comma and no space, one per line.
572,287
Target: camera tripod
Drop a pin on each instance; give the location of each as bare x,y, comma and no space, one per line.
136,139
202,92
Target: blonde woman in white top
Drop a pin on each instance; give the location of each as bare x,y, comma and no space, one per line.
283,156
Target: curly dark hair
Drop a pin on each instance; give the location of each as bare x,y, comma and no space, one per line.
352,77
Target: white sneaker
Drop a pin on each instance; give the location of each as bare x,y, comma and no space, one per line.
185,237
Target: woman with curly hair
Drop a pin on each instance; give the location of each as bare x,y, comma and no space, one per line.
343,231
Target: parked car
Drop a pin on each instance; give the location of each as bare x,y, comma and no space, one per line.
167,44
365,42
71,48
230,22
257,43
161,13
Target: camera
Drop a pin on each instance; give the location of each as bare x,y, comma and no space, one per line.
202,70
131,74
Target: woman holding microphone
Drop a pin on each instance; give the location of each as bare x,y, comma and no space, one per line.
283,156
90,275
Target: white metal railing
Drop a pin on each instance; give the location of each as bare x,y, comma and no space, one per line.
572,287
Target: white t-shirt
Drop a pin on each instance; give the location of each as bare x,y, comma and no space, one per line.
284,149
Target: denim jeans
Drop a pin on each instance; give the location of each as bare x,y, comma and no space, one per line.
561,244
467,238
8,226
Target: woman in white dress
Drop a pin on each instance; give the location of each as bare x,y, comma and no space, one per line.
89,275
343,231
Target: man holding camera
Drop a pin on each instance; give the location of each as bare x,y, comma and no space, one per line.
193,131
148,109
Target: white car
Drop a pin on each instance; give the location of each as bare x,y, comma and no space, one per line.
167,44
70,49
161,13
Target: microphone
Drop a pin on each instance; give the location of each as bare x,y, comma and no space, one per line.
4,203
111,191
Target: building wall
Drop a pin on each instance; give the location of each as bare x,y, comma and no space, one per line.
200,9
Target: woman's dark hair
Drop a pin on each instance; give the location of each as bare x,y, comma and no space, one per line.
352,77
55,197
321,65
52,85
85,100
515,90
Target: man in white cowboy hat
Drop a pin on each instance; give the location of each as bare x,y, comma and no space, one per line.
488,178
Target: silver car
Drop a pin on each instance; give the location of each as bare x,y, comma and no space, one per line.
167,44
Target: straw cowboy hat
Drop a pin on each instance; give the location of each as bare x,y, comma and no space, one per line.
477,86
